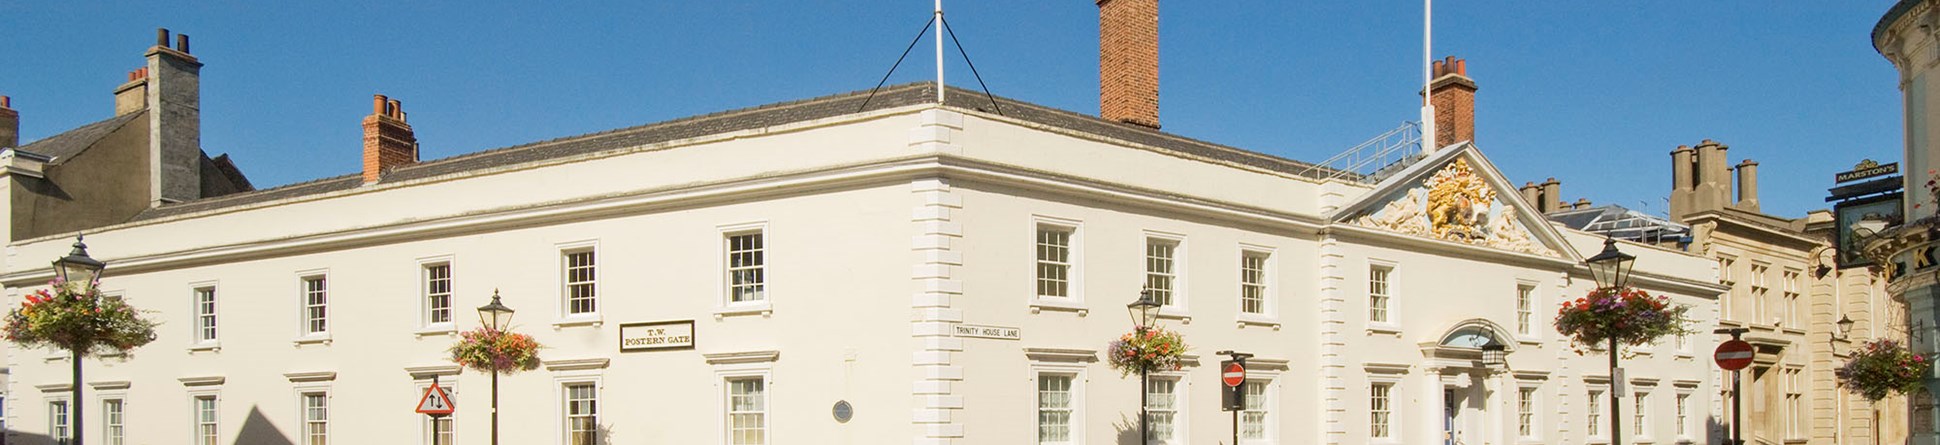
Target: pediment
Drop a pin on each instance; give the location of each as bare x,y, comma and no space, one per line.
1456,195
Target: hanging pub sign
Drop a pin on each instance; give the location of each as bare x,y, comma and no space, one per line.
1866,169
1846,213
658,335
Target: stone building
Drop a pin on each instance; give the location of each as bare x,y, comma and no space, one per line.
1785,287
1905,247
950,266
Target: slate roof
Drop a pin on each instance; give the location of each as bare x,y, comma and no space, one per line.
65,145
752,118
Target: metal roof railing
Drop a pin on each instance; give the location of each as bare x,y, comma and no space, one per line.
1374,160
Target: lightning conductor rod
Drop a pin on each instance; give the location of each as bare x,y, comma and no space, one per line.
939,53
1427,76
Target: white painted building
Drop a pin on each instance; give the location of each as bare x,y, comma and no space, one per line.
827,254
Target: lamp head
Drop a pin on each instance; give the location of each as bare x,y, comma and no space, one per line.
77,265
495,315
1845,325
1145,310
1610,268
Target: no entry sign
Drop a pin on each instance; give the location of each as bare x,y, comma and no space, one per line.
1733,355
1234,374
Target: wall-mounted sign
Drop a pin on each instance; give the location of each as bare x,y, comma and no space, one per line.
981,331
1866,169
658,335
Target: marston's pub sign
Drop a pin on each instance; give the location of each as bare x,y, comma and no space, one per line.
1866,169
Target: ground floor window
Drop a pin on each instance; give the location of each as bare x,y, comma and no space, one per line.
1379,408
582,414
747,411
1162,397
316,418
204,412
1054,408
57,421
1255,415
111,425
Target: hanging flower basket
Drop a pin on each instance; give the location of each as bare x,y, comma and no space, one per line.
1884,367
1631,316
1156,349
488,350
79,319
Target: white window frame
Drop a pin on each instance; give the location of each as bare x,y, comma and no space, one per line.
563,427
1181,407
195,415
1391,308
114,426
566,317
1392,425
1528,298
726,305
1076,422
763,370
1269,296
1596,423
426,325
1641,421
728,413
304,333
426,424
1726,263
1760,294
1074,295
55,425
1793,383
1534,388
197,341
1270,403
1681,414
1180,303
303,393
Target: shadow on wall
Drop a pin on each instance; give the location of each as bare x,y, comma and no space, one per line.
20,438
257,430
1717,429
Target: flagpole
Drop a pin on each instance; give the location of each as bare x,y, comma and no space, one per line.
1427,76
939,52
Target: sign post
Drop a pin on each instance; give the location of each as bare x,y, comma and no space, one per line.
1734,356
1232,375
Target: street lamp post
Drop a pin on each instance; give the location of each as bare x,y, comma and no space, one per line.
77,266
1144,312
1611,269
495,317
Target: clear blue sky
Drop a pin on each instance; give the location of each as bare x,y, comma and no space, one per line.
1593,93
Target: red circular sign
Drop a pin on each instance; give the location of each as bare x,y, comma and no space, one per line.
1233,375
1733,355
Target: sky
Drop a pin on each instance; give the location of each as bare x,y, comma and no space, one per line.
1595,94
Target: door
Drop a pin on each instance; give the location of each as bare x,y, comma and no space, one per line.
1451,407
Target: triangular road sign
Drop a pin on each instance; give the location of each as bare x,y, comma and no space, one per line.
436,402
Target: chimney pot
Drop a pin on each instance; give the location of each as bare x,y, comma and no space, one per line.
377,104
397,109
182,43
161,37
6,102
1461,67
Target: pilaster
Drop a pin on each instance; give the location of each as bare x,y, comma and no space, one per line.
1333,343
935,419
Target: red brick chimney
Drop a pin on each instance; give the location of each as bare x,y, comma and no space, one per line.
1128,61
9,123
388,140
1453,94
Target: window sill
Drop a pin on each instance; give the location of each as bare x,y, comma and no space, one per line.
206,347
1383,329
321,339
1176,314
593,320
1040,305
763,309
438,329
1245,320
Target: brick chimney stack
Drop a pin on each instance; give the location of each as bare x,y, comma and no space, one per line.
388,140
9,124
172,87
1128,61
1453,94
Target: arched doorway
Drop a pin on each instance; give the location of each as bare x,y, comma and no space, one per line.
1470,410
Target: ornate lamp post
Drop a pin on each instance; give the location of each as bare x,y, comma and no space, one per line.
1611,269
495,316
1144,312
78,266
